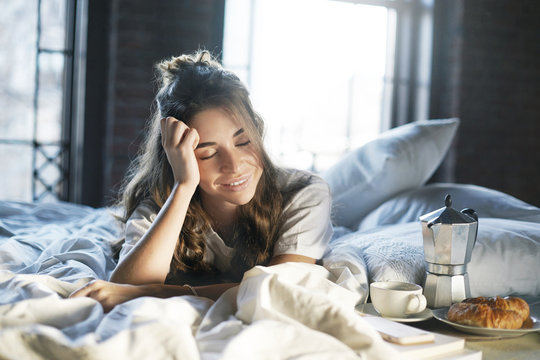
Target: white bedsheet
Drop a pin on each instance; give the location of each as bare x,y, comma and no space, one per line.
289,311
282,312
292,310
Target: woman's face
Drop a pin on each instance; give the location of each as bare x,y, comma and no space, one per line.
229,165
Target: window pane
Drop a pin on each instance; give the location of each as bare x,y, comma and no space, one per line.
53,15
51,72
237,12
31,115
317,72
16,183
18,24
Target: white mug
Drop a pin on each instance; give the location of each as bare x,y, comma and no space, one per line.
397,299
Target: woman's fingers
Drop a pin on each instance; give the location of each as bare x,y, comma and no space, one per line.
173,132
192,138
85,290
108,294
179,142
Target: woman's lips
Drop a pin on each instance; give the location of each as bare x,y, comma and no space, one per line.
238,184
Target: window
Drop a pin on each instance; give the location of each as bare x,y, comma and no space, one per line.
38,53
326,75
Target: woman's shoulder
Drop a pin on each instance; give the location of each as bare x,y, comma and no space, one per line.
147,208
288,177
302,184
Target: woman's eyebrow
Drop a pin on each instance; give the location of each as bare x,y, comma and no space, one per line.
211,143
205,144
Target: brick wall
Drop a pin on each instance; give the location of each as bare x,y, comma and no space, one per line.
499,98
486,71
142,33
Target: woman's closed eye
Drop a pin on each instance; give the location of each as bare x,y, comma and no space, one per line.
211,153
245,143
208,156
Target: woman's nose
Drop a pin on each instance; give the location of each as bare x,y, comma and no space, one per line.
230,162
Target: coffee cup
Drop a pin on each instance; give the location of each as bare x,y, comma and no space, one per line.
397,299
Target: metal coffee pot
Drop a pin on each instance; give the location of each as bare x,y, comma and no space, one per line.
449,237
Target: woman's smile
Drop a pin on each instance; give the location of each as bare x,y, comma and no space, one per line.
238,184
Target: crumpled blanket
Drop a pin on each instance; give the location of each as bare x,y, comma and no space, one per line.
286,311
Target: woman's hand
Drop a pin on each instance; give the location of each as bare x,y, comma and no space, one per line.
149,261
179,142
109,294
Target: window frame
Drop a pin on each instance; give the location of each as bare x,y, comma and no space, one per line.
66,157
407,80
412,67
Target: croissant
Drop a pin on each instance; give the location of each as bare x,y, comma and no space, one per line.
490,312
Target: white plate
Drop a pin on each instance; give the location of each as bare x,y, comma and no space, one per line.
441,314
368,309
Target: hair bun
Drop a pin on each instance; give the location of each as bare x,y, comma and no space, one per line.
170,68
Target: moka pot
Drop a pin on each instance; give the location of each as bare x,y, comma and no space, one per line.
449,237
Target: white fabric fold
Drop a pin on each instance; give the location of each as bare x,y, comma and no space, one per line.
302,295
291,310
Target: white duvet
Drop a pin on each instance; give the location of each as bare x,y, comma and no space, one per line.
289,311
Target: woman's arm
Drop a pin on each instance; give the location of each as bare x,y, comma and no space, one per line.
149,261
111,294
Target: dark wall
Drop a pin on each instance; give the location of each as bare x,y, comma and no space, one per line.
126,39
500,88
487,72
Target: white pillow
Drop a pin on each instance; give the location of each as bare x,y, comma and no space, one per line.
399,159
505,259
410,205
389,252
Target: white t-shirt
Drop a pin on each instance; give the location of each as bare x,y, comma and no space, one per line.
307,228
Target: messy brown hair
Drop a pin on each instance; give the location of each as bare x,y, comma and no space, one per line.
189,84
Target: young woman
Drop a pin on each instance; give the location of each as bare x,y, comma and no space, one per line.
203,202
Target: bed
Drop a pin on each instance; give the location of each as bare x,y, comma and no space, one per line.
300,311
